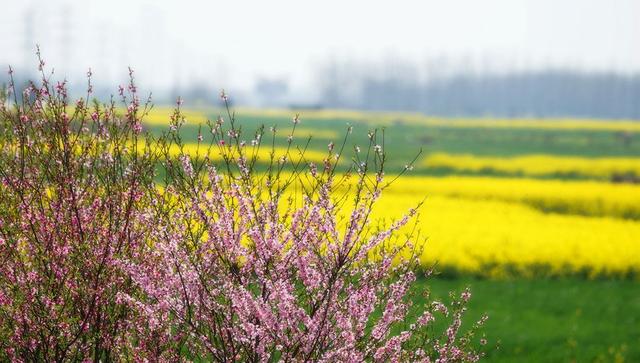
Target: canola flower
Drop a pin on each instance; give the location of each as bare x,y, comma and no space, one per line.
492,227
590,198
499,239
536,165
501,236
160,116
214,152
262,154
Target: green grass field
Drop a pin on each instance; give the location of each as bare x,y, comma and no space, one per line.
554,320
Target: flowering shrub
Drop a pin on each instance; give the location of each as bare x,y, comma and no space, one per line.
246,269
72,186
248,260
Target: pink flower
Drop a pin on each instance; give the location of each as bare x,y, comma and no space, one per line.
187,167
137,127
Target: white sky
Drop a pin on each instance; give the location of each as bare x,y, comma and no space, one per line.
236,40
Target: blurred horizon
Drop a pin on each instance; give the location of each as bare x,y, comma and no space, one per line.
499,58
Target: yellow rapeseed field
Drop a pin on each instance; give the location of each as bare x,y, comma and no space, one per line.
262,153
589,198
497,237
536,165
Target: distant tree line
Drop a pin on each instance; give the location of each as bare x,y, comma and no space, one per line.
551,93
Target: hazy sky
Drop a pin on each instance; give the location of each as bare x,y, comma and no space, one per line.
237,40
